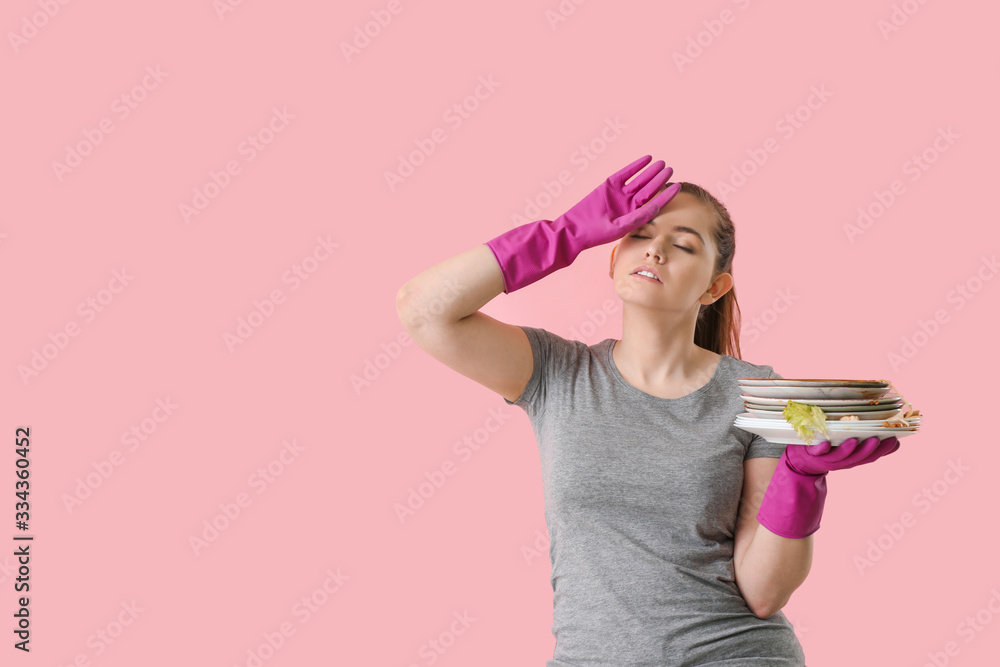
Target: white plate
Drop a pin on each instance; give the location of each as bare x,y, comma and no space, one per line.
834,425
782,436
826,402
832,416
748,417
858,426
788,382
836,439
815,393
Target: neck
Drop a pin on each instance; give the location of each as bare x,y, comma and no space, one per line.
656,349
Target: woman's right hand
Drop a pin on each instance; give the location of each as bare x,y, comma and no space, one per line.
615,208
532,251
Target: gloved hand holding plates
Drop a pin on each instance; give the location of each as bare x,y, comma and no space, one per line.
862,419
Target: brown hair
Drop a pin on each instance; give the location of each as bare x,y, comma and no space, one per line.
718,326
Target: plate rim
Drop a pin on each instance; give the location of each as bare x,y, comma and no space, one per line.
813,401
810,382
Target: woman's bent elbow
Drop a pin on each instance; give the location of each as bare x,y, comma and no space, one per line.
764,612
765,608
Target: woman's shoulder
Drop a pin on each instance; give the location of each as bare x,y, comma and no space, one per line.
561,352
567,342
748,369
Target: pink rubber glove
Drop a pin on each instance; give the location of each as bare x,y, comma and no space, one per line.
793,502
532,251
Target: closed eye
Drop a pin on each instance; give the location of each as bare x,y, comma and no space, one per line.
690,250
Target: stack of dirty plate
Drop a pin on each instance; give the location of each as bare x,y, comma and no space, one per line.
854,409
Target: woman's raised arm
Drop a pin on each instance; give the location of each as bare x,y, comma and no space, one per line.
440,310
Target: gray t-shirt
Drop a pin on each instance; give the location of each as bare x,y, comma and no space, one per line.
641,497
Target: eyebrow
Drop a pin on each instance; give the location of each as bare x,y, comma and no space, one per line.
682,228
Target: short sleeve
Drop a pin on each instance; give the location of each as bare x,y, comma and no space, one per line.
554,364
531,398
759,447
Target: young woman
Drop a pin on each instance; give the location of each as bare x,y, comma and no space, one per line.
675,537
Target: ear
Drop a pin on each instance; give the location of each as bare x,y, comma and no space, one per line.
723,283
611,269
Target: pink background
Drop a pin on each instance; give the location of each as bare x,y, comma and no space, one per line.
314,196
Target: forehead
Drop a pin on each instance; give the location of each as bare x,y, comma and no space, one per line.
684,210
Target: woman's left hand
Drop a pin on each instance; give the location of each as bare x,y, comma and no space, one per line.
793,502
822,457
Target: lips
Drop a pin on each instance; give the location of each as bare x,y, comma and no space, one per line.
646,267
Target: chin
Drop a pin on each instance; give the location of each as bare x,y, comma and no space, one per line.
629,294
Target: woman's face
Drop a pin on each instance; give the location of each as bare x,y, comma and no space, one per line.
678,245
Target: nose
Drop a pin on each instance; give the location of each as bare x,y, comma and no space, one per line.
654,249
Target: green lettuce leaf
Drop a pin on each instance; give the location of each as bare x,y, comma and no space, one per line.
806,419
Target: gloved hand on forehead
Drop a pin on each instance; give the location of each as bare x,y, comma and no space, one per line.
532,251
794,499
